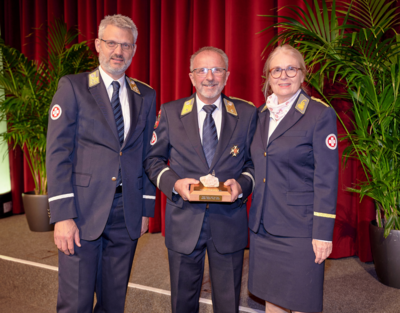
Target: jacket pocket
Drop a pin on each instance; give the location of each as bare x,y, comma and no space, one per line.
79,179
300,198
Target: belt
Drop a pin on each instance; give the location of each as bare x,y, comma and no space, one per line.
118,189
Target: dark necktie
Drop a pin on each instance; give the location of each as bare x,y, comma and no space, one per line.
210,137
119,120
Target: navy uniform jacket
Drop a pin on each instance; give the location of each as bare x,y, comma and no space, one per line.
83,154
297,172
177,139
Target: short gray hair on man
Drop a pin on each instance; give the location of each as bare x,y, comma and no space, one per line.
219,51
120,21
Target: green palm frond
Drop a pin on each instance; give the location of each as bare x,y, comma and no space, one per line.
29,87
353,46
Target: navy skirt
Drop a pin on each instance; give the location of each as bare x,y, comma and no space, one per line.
282,270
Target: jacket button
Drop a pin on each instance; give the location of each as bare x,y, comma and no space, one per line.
264,180
120,153
113,179
265,154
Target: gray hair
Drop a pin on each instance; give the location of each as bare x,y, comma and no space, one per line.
288,50
120,21
219,51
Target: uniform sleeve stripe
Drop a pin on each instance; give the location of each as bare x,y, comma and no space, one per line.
325,215
252,179
67,195
149,197
159,176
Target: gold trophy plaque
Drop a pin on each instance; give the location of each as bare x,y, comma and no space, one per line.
210,194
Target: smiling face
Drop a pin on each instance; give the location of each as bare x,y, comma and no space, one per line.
209,88
115,61
285,87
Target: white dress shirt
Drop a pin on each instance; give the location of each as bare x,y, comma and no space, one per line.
123,97
273,124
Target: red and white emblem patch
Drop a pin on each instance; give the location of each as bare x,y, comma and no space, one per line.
331,141
55,112
153,139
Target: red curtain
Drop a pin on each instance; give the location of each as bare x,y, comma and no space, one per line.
169,32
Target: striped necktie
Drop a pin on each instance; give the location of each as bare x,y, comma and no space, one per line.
119,120
210,136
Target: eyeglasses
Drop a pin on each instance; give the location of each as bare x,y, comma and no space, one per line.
203,71
291,71
113,45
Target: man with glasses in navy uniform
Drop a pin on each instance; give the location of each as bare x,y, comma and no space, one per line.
100,126
206,133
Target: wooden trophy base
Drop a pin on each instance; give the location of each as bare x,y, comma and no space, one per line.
210,194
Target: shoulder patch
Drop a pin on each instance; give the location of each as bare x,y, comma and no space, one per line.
94,78
302,104
133,85
251,103
137,80
319,100
230,107
187,107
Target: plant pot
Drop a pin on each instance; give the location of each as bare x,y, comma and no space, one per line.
386,255
37,212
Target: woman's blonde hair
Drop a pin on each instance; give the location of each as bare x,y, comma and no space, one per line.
282,49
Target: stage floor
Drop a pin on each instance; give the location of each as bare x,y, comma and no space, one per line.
28,278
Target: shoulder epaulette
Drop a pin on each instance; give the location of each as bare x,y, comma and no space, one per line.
319,100
142,82
251,103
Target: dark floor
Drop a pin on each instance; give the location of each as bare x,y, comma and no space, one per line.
350,286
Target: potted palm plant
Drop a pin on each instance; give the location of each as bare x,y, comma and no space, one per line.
353,45
29,86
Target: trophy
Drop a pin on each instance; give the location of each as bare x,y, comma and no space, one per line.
210,190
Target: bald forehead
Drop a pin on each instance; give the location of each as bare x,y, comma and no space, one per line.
209,59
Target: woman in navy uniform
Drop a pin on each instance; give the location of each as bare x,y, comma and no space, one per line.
295,156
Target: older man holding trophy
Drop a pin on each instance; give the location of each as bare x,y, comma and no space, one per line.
206,139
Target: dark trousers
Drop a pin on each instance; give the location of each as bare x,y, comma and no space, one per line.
186,271
102,266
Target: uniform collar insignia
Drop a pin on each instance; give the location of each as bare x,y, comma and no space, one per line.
230,107
94,78
302,103
187,107
133,85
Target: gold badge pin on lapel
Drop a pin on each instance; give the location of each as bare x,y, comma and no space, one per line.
234,151
94,78
187,107
230,107
133,86
302,104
